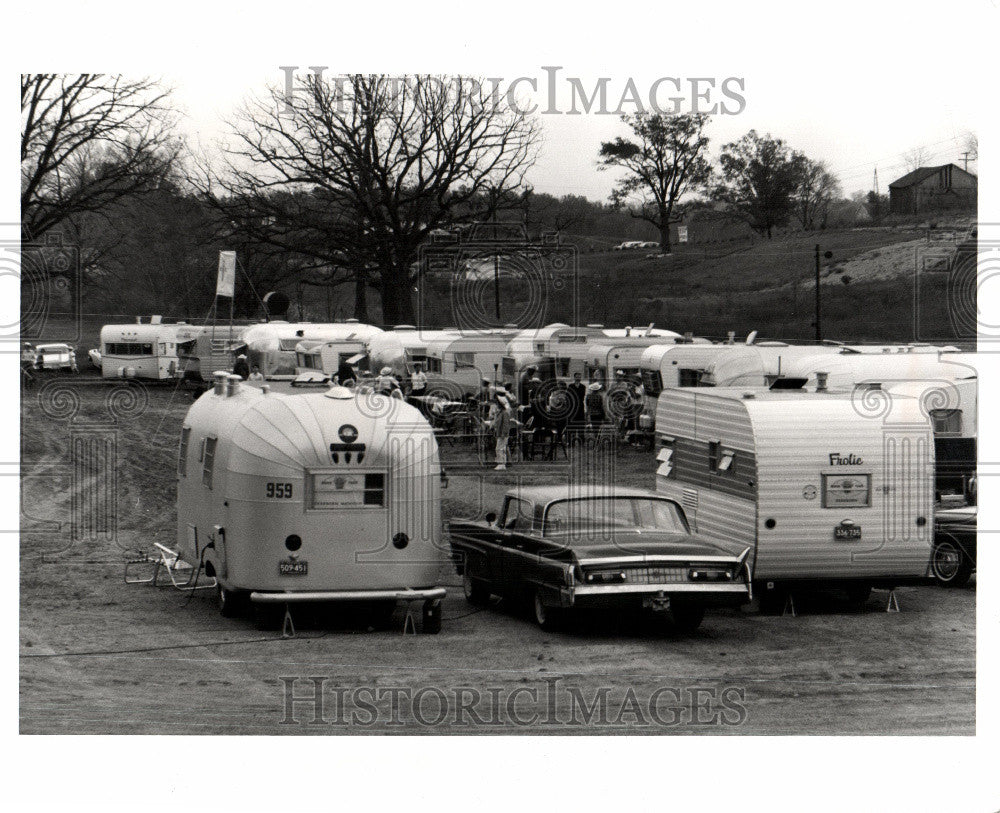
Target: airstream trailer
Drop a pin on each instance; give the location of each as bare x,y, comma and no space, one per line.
316,497
147,350
547,349
271,345
827,488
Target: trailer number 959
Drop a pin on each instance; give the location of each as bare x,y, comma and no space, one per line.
278,491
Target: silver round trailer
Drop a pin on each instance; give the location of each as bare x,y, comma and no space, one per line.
318,497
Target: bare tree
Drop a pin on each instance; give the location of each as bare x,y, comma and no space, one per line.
816,189
368,166
916,158
88,140
663,162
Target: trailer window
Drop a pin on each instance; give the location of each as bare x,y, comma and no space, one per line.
688,378
209,462
652,384
464,360
947,422
374,489
182,458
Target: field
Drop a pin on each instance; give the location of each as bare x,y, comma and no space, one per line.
100,656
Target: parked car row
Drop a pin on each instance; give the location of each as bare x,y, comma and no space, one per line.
51,356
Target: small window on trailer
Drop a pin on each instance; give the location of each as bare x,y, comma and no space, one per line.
652,383
464,360
182,457
431,364
209,462
720,459
947,422
688,378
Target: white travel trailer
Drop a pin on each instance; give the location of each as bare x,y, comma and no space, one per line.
456,365
325,357
147,351
758,365
400,347
559,350
317,497
827,488
201,349
271,345
846,370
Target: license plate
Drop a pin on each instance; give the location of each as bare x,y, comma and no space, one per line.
847,532
293,568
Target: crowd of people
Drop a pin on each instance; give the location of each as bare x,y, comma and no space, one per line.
535,417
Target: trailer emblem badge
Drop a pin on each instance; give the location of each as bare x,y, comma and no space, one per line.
348,433
809,492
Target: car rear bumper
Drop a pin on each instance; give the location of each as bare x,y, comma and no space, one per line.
624,594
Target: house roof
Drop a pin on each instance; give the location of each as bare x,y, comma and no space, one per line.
920,174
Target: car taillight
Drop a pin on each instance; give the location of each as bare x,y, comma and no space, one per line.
607,577
710,574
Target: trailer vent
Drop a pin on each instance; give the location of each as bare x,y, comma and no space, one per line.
689,498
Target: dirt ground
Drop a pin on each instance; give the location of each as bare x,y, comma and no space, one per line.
101,656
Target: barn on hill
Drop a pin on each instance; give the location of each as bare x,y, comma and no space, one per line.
929,189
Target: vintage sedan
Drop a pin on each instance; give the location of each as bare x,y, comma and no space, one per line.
953,560
55,357
560,548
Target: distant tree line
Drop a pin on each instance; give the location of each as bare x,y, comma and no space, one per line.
338,187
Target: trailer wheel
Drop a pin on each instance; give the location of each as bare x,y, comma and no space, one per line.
431,617
476,591
233,603
686,617
950,564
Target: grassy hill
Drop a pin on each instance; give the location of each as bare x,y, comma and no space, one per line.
870,291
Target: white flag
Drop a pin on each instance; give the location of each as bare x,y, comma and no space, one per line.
682,234
226,282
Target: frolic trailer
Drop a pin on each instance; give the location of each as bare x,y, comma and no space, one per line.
321,497
827,488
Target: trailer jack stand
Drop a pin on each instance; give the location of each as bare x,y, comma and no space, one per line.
288,626
409,625
790,606
893,605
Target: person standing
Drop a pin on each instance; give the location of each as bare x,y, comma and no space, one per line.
578,396
386,382
522,383
501,424
242,367
418,380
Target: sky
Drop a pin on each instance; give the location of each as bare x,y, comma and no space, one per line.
855,86
856,126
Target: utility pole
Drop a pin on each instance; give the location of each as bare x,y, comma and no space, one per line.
819,332
965,158
496,284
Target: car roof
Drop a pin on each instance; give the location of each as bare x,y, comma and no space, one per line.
547,494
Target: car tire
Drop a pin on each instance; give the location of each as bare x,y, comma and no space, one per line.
950,564
233,603
687,617
548,618
477,591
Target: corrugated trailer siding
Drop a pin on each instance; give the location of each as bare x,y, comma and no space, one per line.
792,458
720,505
